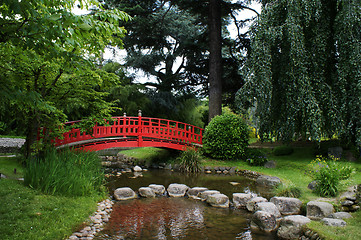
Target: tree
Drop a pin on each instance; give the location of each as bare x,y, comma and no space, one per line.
47,59
170,51
215,59
303,70
176,48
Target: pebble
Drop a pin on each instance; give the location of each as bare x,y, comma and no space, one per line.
97,221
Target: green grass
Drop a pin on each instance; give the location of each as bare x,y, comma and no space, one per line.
351,232
7,166
28,214
291,169
149,154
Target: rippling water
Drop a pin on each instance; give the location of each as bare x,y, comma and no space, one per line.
179,218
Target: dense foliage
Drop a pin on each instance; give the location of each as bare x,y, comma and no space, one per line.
304,69
66,173
226,137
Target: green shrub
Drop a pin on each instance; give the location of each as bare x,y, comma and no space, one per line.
282,150
256,157
328,173
226,137
68,173
190,160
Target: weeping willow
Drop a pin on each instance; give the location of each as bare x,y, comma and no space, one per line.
304,69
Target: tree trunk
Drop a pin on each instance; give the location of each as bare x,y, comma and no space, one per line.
31,135
215,59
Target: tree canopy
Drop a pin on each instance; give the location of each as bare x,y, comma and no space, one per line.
48,62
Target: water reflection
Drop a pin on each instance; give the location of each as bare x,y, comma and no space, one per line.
155,218
175,218
179,218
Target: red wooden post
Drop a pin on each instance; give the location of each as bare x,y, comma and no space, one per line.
140,132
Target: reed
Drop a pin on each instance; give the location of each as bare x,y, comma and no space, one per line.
190,160
67,173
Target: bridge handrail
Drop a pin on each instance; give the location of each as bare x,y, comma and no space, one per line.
137,127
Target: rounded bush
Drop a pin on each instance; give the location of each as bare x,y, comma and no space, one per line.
226,137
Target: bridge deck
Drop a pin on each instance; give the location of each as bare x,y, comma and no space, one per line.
133,132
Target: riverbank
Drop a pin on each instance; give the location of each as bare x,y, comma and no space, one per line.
29,214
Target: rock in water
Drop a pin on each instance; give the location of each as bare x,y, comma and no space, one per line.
250,205
124,193
240,199
158,189
177,190
137,169
287,205
264,221
194,192
218,200
268,207
146,192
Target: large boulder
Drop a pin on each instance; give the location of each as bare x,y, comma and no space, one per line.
264,221
177,190
240,199
124,193
318,210
146,192
287,205
194,192
268,181
218,200
291,226
333,222
250,205
205,194
157,189
268,207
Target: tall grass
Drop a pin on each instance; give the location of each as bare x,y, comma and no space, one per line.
190,160
67,173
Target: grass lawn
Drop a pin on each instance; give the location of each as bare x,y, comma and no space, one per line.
28,214
7,166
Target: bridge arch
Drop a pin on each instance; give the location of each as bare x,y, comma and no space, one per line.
133,132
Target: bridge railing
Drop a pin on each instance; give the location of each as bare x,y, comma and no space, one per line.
142,128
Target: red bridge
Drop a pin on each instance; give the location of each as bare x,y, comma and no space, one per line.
134,132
